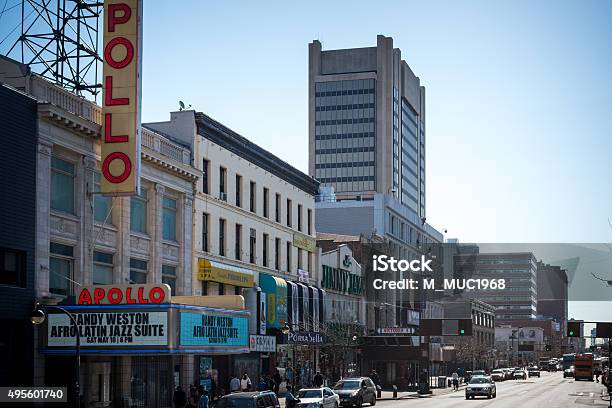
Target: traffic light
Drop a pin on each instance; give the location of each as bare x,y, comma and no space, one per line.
573,329
548,347
464,327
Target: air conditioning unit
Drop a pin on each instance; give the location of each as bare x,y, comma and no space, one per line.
223,196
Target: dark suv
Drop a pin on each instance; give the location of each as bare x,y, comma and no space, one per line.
356,391
263,399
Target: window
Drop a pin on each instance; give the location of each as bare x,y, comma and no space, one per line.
222,179
288,256
169,277
238,243
102,268
309,222
289,213
61,264
278,208
238,190
277,254
138,212
12,267
62,185
205,176
253,197
221,237
299,217
221,289
309,260
205,232
299,256
102,204
138,271
169,219
253,246
266,203
264,251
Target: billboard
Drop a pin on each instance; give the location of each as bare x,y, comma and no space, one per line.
121,95
199,329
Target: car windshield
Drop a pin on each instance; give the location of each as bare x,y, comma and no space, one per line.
479,380
235,403
347,385
310,394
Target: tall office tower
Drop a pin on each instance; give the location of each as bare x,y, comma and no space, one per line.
367,123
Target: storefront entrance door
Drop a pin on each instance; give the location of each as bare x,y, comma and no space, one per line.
151,382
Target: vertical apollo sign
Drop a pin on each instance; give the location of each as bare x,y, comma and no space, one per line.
121,97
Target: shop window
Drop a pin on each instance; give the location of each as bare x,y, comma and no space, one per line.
138,271
62,185
61,265
102,268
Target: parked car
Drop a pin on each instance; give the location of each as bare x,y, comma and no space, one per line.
318,398
533,372
262,399
480,386
356,391
568,372
519,374
507,373
479,373
498,375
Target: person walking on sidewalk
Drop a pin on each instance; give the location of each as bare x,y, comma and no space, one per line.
234,384
290,400
455,381
245,383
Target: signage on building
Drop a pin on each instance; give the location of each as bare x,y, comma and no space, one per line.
341,281
305,337
395,330
102,329
265,344
305,242
263,313
219,272
121,97
275,289
123,294
199,329
303,276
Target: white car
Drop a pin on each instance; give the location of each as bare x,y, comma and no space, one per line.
498,375
323,397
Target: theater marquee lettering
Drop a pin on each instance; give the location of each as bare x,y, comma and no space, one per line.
101,329
213,330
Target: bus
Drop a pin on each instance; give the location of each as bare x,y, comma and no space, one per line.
583,367
568,361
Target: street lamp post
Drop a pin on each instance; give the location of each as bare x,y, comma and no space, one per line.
37,317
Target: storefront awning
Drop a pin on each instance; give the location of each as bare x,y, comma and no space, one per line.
275,289
214,271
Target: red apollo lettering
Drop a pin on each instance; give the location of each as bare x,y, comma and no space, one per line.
157,295
110,101
99,294
108,52
84,297
128,296
108,136
114,19
127,167
141,299
115,296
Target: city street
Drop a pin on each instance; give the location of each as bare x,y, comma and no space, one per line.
550,391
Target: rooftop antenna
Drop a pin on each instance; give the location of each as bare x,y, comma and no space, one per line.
182,106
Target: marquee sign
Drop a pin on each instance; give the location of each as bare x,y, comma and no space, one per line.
124,294
101,329
199,329
121,97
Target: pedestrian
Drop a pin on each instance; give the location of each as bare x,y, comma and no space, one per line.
318,380
194,397
455,377
204,399
290,400
277,381
245,383
262,385
234,384
180,398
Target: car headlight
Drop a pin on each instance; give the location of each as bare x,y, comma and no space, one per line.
354,393
468,389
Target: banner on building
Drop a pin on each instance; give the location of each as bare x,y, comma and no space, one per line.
304,242
102,329
265,344
199,329
121,97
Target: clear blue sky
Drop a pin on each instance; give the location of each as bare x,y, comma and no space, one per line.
519,97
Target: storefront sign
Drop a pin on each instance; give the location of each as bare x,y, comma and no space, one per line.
303,276
123,294
266,344
263,312
305,242
121,96
307,338
213,330
396,330
341,281
102,329
219,272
